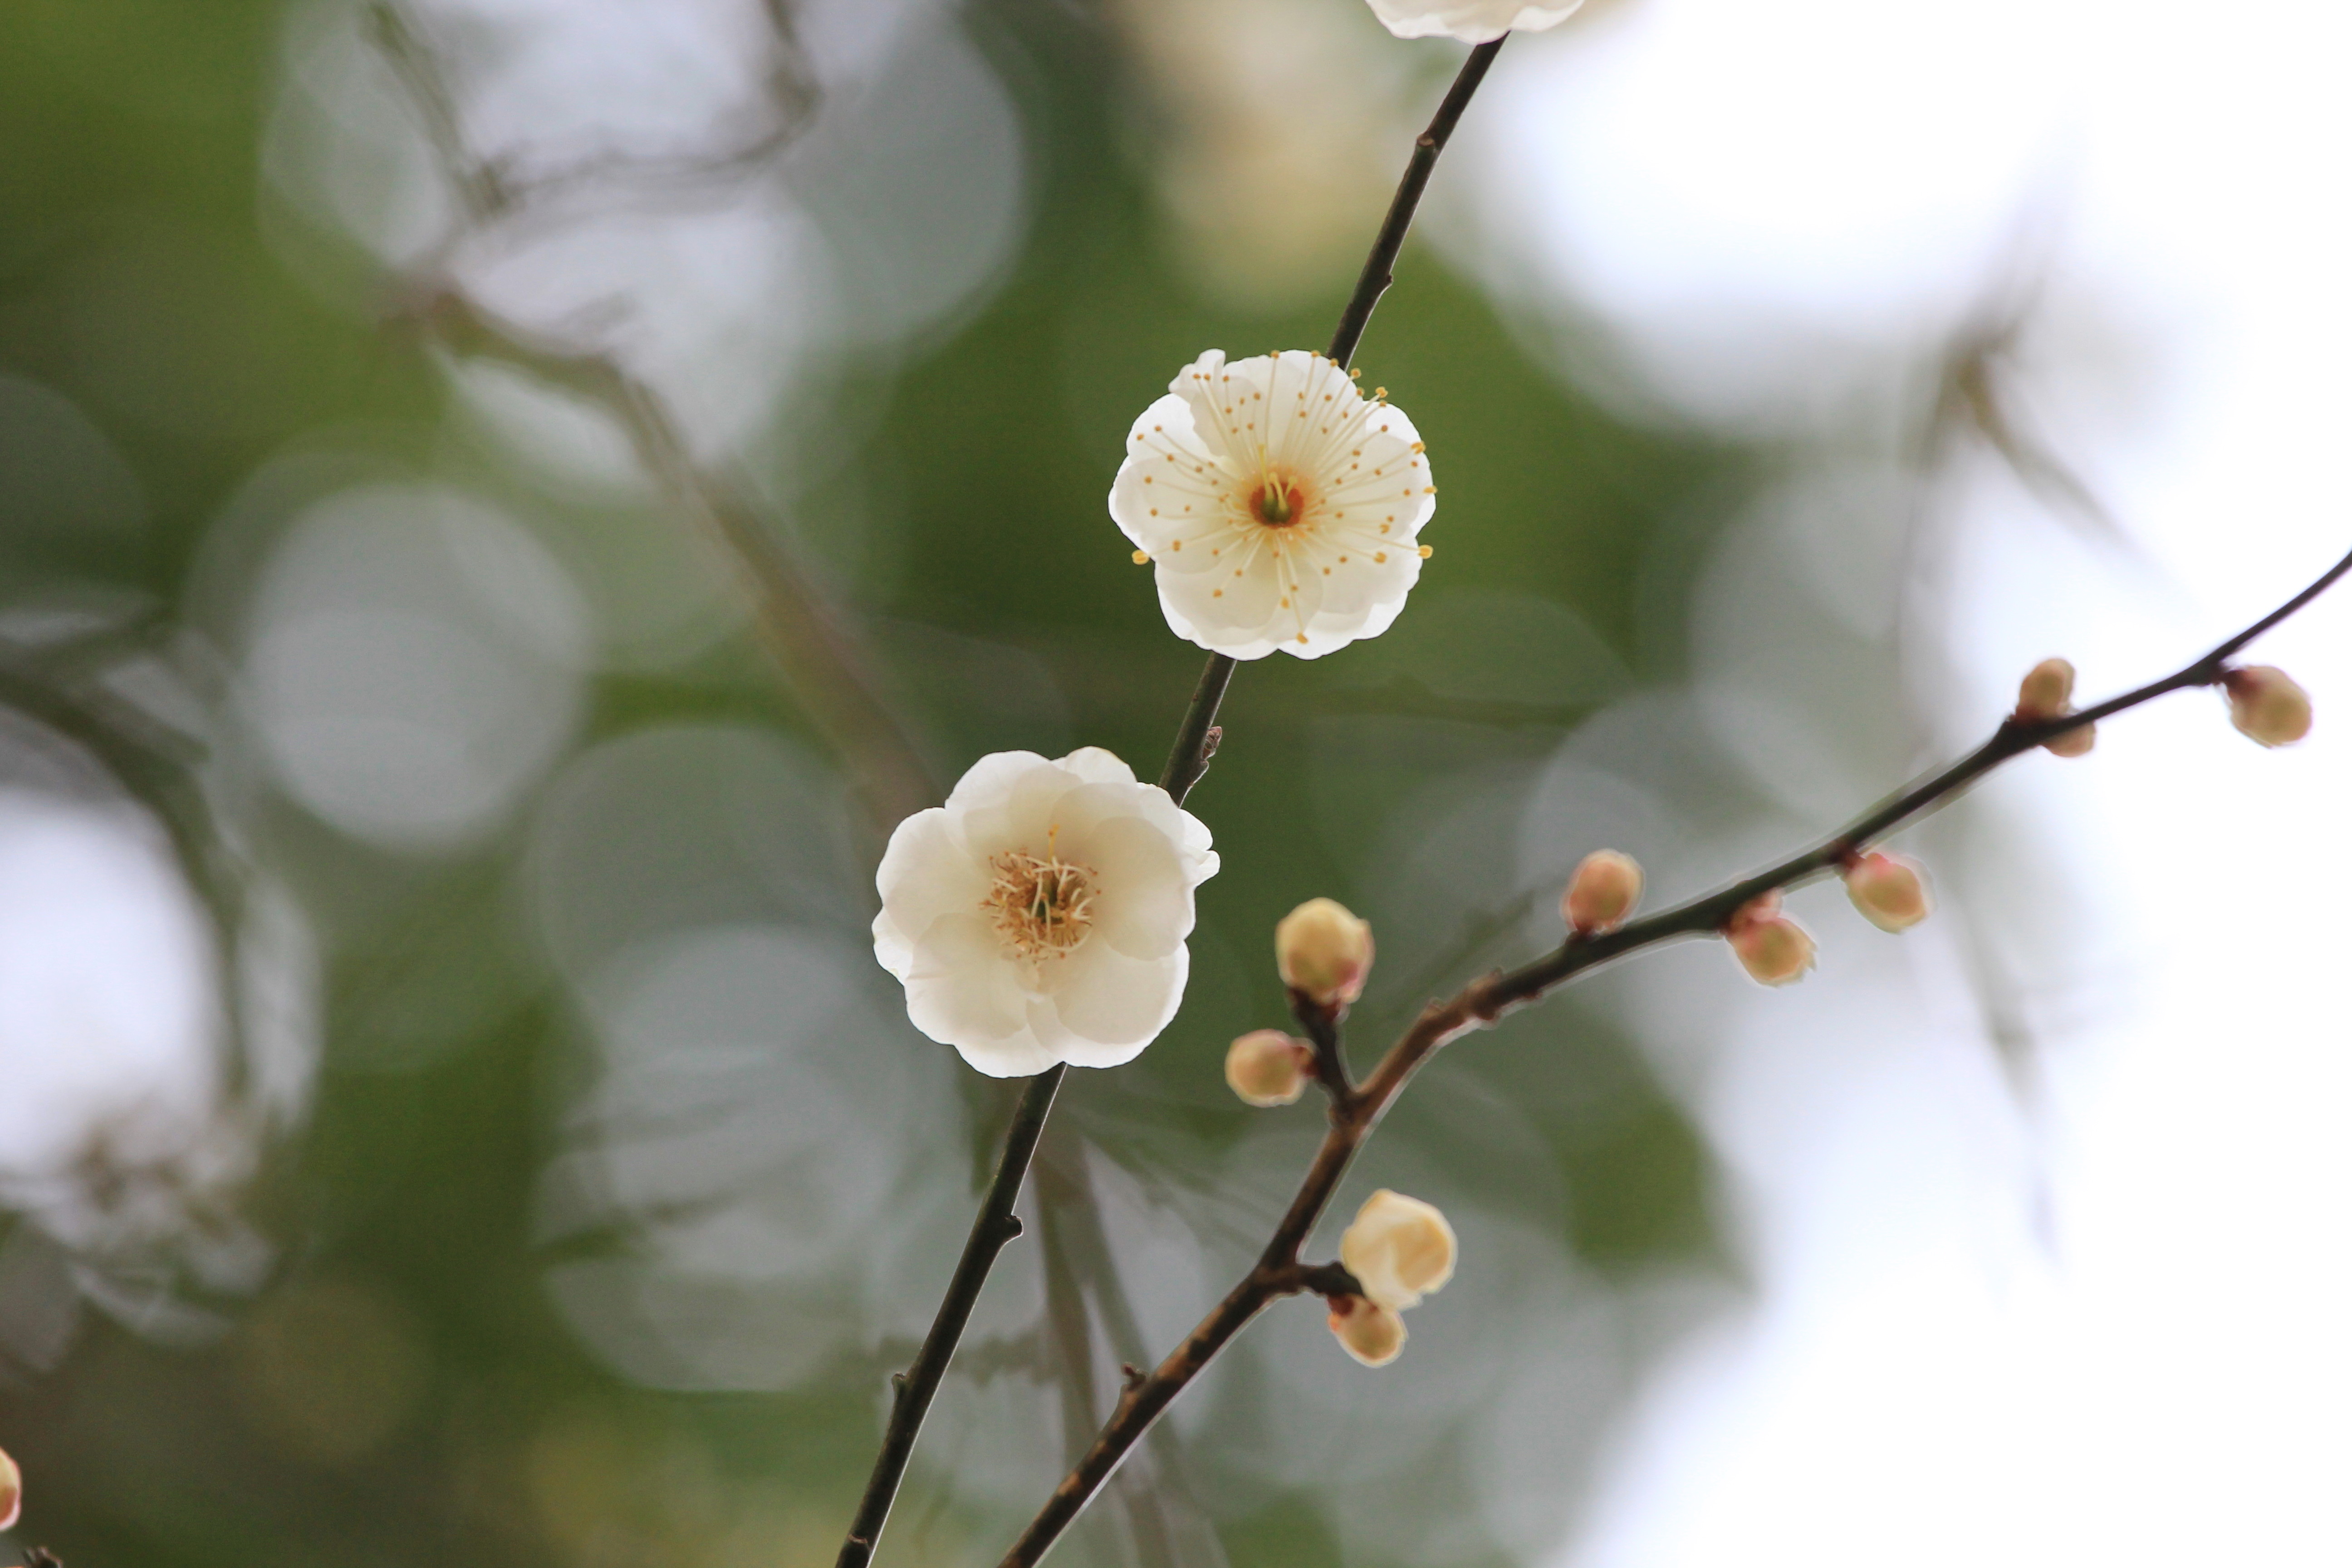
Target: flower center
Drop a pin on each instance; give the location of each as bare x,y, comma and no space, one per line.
1279,499
1039,906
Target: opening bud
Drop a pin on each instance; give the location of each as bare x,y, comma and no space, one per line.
1266,1067
1366,1330
1398,1249
1323,951
2267,706
1890,891
12,1492
1604,891
1772,948
2048,693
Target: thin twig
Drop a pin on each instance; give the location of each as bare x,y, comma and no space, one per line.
1379,268
1278,1271
1197,737
913,1389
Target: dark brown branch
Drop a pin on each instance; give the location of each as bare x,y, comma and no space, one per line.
1379,268
912,1389
1321,1025
1197,736
1278,1271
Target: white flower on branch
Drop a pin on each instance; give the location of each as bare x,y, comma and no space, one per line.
1040,916
2266,705
1323,951
12,1492
1772,948
1472,21
1399,1248
1890,891
2048,693
1279,507
1267,1067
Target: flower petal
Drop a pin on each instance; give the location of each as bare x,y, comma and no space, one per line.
927,872
1144,909
963,990
1108,1006
990,780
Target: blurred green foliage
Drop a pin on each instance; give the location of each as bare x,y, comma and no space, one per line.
402,1390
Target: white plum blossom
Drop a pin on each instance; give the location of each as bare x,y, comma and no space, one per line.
1039,917
1278,506
1472,21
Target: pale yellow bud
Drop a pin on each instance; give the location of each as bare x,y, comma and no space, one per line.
1323,951
1266,1067
12,1492
1606,887
1366,1330
1772,948
2267,706
2048,693
1890,891
1398,1249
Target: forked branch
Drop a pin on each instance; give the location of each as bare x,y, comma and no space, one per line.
1278,1271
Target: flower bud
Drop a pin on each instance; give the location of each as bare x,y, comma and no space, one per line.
1266,1067
2075,742
1890,891
1772,948
1366,1330
2267,706
2047,690
12,1492
2048,693
1606,887
1323,951
1398,1249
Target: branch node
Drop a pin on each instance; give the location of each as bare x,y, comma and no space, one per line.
1131,1376
1010,1230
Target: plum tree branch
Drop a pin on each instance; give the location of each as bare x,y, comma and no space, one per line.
1278,1271
1197,736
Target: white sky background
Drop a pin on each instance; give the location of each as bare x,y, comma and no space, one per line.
2101,1315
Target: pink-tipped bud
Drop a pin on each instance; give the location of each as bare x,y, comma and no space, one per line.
1772,948
1890,891
1366,1330
1266,1067
12,1492
2048,693
1603,892
1323,951
2267,706
2047,690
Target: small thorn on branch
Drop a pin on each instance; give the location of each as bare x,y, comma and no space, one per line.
898,1384
1131,1376
1012,1227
